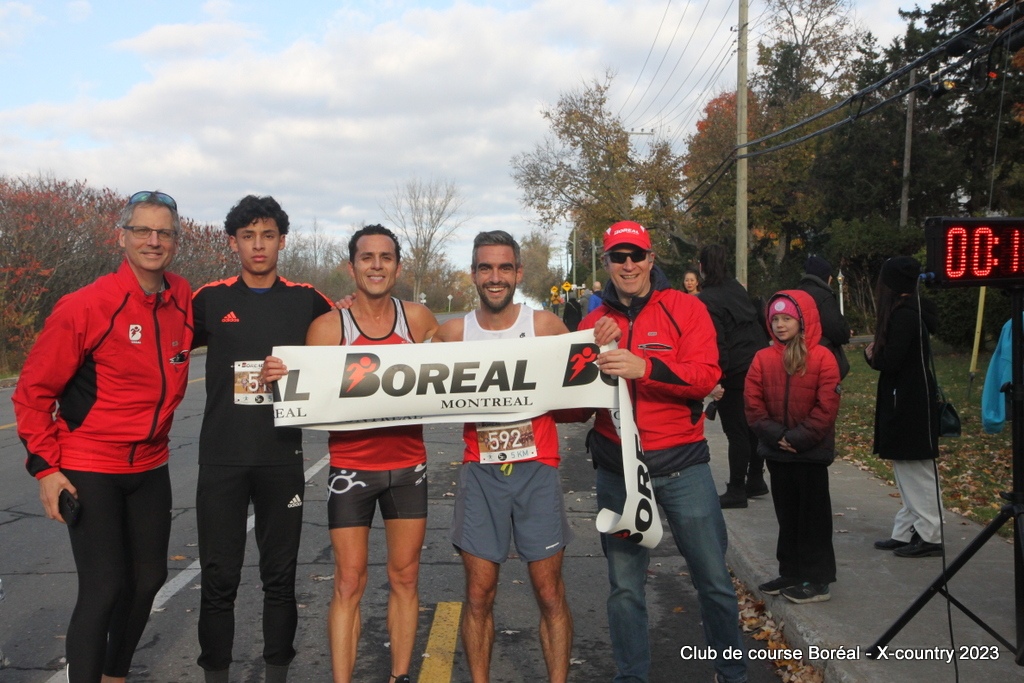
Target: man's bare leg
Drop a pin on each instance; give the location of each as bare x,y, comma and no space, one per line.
478,618
344,619
555,617
405,540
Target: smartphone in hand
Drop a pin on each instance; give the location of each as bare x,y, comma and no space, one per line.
69,507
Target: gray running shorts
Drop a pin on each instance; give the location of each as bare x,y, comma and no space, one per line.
492,508
354,495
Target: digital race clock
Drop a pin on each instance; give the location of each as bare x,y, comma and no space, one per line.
975,252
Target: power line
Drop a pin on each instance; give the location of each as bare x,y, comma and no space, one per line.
954,44
683,54
647,59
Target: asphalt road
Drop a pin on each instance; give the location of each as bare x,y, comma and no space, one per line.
38,574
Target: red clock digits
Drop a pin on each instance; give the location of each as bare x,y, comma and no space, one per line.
983,261
956,252
1015,254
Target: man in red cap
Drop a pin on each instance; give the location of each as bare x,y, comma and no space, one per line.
668,354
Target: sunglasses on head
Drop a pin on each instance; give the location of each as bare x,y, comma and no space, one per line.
145,196
636,256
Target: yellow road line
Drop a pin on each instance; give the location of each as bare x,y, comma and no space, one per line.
444,633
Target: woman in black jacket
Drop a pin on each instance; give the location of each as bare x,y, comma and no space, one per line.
906,415
741,334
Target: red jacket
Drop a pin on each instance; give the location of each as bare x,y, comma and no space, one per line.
113,362
673,332
801,407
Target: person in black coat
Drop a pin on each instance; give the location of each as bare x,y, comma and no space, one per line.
741,334
835,332
906,408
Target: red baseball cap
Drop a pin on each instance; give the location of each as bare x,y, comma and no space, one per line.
628,233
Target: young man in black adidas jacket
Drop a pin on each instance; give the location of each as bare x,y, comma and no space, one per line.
243,458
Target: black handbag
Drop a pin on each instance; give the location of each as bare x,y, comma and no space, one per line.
949,419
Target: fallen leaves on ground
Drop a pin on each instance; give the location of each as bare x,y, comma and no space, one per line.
756,620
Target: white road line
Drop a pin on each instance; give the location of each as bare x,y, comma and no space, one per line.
187,575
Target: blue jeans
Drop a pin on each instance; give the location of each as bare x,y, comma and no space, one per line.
690,504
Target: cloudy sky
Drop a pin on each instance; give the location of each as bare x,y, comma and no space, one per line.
329,105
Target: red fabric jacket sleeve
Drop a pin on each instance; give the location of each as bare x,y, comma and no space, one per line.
54,359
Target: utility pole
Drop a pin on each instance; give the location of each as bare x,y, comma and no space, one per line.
575,237
905,195
741,144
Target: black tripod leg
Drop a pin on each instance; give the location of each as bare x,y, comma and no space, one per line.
1018,563
956,565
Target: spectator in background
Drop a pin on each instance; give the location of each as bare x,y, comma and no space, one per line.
691,281
835,332
906,409
741,334
573,313
595,298
792,395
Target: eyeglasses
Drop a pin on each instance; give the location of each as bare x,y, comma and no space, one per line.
141,232
637,256
146,195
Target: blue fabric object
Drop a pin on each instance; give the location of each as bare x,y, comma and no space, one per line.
690,504
1000,371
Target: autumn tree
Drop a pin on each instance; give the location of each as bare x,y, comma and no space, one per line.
538,274
425,214
586,174
315,257
57,236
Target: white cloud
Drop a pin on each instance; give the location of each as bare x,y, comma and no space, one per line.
79,11
177,41
16,20
331,122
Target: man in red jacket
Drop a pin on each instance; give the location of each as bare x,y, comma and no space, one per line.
112,361
668,353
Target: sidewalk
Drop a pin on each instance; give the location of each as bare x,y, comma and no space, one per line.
874,587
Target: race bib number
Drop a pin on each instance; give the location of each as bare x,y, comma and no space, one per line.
249,390
505,442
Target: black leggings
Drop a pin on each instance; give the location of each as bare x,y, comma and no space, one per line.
120,549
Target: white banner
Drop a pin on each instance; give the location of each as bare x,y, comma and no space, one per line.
639,521
508,380
357,387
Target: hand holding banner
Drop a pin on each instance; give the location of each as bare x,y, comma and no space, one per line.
639,521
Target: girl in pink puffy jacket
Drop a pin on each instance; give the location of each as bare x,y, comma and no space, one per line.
792,400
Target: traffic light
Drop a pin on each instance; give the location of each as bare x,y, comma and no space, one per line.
941,87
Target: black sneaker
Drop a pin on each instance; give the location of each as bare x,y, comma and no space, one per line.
919,548
890,544
807,592
756,488
734,497
404,678
775,586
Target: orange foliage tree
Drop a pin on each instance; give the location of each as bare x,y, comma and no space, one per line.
57,236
